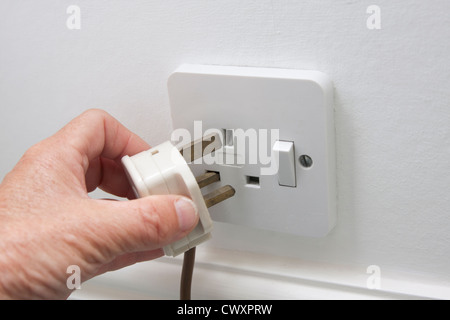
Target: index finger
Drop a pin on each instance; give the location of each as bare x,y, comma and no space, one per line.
98,142
96,133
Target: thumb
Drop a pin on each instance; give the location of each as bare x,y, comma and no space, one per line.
147,223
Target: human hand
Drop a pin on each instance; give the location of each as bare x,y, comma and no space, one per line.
48,222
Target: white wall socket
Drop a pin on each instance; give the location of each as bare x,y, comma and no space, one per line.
291,114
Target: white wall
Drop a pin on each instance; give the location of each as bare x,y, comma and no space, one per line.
392,102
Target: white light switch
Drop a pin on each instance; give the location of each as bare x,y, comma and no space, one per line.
283,151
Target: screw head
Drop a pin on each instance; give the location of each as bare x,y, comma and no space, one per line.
305,161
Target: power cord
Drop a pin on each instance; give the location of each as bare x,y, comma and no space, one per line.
210,199
186,274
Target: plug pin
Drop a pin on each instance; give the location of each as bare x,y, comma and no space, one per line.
215,196
219,195
207,178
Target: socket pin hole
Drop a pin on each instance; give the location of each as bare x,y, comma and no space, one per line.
252,181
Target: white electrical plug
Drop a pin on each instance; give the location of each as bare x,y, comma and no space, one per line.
163,170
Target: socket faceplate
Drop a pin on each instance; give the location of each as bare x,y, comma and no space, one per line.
272,105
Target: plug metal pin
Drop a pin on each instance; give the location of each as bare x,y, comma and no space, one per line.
207,178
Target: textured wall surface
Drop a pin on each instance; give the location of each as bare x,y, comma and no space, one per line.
392,101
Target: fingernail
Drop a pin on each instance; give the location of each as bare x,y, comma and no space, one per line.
187,213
